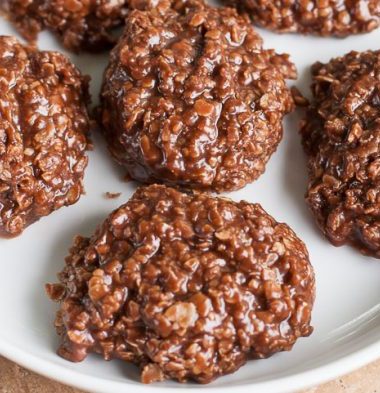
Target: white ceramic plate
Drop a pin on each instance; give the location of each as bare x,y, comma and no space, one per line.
347,309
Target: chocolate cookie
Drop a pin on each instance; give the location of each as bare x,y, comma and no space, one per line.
80,24
43,128
187,286
326,18
341,135
190,97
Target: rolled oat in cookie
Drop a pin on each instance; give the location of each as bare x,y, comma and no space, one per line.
88,25
321,17
187,286
341,135
43,134
191,98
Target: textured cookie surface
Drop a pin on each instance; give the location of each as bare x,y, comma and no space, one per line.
80,24
186,286
43,134
341,135
190,97
326,17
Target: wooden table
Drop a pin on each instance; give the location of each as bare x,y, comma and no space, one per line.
15,379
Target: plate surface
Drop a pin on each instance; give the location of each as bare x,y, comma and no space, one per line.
347,310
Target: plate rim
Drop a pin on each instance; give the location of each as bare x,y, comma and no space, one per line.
296,381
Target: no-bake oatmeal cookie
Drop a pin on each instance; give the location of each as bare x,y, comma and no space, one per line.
43,134
187,286
191,98
341,135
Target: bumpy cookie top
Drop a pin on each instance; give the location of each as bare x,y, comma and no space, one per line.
191,97
80,24
43,128
327,17
341,134
187,286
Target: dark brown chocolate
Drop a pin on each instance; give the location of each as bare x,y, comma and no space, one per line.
187,286
341,135
43,134
190,97
320,17
81,25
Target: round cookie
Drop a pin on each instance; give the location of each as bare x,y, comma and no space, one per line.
341,135
190,97
187,286
326,18
43,128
